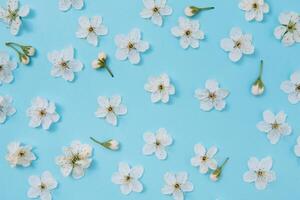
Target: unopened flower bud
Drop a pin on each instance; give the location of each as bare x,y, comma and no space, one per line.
29,50
24,59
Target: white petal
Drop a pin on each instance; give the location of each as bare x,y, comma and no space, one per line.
149,149
199,149
68,53
155,97
120,110
33,192
176,31
187,187
167,189
184,42
135,35
24,11
170,178
212,151
253,164
77,4
126,189
279,31
149,138
266,163
157,19
137,186
149,4
236,33
235,55
122,54
287,86
96,21
64,4
178,195
227,44
264,126
124,168
269,117
146,13
261,184
92,38
280,117
295,77
206,105
294,97
45,195
115,100
201,94
142,46
212,85
273,136
137,171
297,150
117,178
167,10
219,105
84,22
111,118
249,176
49,180
103,101
134,57
34,181
161,154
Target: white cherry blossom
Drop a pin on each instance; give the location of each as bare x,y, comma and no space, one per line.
130,46
260,172
6,68
110,109
19,155
189,32
204,158
64,64
160,88
274,126
128,178
177,185
156,143
6,108
76,159
90,29
292,88
297,147
289,29
65,5
212,96
42,113
254,9
12,15
237,44
155,10
41,186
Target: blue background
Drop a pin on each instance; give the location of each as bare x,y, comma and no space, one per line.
233,130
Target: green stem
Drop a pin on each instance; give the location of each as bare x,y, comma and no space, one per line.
96,141
206,8
224,163
109,71
261,67
10,44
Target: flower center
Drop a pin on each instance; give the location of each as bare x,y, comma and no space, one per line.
155,9
21,153
64,65
291,26
255,6
188,33
177,186
43,186
260,173
212,95
238,44
43,112
157,143
1,68
75,158
12,14
110,109
130,46
275,125
161,87
91,29
127,178
298,88
204,158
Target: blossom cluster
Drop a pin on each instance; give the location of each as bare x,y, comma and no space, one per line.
77,158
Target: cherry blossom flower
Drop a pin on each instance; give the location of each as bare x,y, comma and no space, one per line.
128,178
292,88
212,96
177,185
204,158
19,155
289,29
64,64
274,126
65,5
160,88
110,109
13,15
156,10
260,172
156,143
6,108
189,32
191,11
42,113
254,9
6,68
238,44
90,29
41,186
130,46
297,147
76,159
